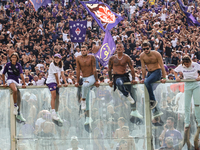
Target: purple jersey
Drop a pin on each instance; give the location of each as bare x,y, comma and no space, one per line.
10,73
175,134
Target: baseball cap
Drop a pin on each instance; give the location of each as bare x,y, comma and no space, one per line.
57,55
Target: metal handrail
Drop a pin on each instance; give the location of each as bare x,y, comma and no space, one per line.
105,84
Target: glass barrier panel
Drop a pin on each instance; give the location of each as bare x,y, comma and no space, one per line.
170,132
109,111
5,119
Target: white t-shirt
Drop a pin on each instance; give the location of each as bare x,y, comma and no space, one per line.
174,42
40,82
69,81
124,36
132,9
52,70
89,24
65,37
140,4
77,54
115,37
189,73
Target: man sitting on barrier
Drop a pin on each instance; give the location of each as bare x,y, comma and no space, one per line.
154,63
117,65
87,64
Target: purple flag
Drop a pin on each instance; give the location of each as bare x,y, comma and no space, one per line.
102,13
107,49
38,3
191,20
77,30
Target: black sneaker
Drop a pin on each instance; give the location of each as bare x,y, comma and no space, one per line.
153,104
161,123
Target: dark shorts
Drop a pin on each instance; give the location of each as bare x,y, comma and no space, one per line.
53,87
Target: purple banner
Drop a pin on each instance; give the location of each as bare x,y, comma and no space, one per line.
102,13
38,3
77,30
191,20
107,49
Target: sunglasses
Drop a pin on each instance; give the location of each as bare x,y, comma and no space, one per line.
146,48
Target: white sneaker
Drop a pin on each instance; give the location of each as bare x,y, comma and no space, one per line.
88,120
83,105
54,116
15,111
130,99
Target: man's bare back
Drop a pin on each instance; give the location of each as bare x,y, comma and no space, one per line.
151,60
86,65
119,65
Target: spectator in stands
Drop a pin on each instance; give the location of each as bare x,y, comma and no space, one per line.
170,131
74,143
40,81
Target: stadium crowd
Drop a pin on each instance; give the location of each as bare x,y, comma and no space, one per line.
37,36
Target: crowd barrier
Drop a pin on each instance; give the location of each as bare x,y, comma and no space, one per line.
109,111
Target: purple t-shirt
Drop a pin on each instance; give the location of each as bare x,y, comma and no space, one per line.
175,134
10,73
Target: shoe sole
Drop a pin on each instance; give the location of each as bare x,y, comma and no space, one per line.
19,121
60,124
137,116
160,114
88,123
133,102
152,107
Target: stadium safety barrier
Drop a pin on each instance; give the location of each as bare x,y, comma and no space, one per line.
112,125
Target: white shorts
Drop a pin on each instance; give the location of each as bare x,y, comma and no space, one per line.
9,81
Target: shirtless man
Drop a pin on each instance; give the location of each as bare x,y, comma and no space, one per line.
154,64
119,132
129,139
117,65
87,64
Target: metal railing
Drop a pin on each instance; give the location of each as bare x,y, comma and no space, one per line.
148,138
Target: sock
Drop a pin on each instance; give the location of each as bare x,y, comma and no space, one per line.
53,110
15,104
18,113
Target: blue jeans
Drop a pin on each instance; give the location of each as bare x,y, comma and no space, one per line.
151,78
168,60
126,89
